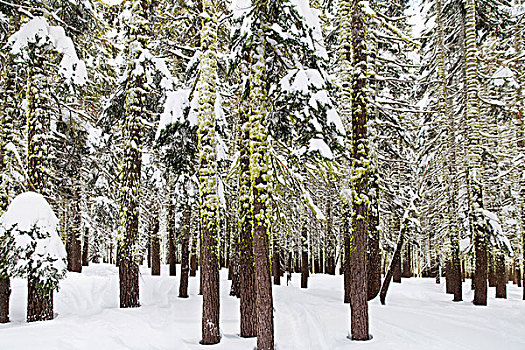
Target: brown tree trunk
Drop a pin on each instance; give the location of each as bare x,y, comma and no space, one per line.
397,270
248,292
155,248
5,293
391,268
235,289
193,258
448,280
276,266
373,269
396,263
39,303
407,261
480,275
74,245
492,270
185,258
264,303
305,269
347,268
171,240
210,287
329,241
501,285
85,248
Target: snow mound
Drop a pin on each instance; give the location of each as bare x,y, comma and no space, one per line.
27,211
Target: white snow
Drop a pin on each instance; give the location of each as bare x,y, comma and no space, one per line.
38,31
418,315
26,211
503,74
320,146
174,106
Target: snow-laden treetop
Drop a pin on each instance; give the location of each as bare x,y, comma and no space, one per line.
39,32
27,211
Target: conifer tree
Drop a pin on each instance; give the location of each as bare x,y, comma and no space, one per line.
207,99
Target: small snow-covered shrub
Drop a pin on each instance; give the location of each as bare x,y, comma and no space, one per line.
31,247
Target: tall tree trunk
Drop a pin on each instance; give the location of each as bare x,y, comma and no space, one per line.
454,270
397,271
208,183
329,240
346,268
501,283
373,269
85,248
407,262
135,111
390,273
248,292
520,133
474,150
5,293
492,268
185,258
155,247
360,174
193,253
396,268
260,172
305,269
276,266
39,302
74,256
171,238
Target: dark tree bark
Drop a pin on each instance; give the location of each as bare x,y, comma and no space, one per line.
264,303
149,254
391,268
74,245
397,271
155,248
396,277
248,291
480,275
171,240
235,289
501,285
39,302
407,262
373,269
210,286
185,258
276,266
193,258
448,280
347,268
360,175
5,293
305,269
492,270
85,248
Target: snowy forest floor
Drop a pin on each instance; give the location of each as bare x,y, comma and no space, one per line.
418,315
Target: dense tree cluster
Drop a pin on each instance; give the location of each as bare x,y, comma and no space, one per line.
270,136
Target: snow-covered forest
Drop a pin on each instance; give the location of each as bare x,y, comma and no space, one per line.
270,174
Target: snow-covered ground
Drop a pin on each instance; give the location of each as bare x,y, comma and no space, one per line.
418,315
